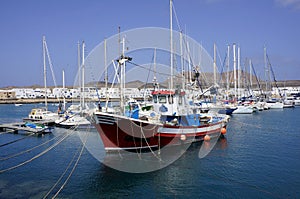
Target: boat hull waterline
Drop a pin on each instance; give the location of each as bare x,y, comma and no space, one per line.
122,133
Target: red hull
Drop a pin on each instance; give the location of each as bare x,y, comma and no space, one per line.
121,133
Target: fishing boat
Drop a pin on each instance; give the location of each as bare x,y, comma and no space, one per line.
171,123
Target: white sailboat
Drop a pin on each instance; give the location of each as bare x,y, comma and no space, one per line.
271,103
43,114
70,117
241,108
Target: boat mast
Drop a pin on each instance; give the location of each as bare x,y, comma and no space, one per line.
155,82
171,43
215,66
122,64
227,76
45,73
83,63
79,72
234,70
182,61
239,72
250,72
189,64
267,72
106,73
63,75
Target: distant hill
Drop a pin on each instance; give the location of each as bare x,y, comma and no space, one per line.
206,79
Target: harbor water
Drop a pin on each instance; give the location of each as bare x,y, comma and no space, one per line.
258,158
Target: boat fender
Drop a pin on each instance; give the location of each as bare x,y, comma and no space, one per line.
223,131
206,138
183,137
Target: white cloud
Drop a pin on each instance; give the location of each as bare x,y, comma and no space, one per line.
289,3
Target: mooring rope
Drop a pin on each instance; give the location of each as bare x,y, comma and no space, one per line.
38,155
158,157
11,142
74,167
30,149
63,174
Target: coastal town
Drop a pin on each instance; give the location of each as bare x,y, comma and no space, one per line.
136,90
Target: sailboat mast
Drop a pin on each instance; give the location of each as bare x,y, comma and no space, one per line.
227,76
239,72
182,62
83,63
250,71
79,72
45,72
63,76
215,65
267,72
171,43
234,70
189,64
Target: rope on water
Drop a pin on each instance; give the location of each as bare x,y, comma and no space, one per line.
11,142
74,167
30,149
246,124
38,155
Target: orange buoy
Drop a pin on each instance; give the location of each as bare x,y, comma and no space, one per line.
223,131
206,138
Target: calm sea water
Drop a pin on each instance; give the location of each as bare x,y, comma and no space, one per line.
259,158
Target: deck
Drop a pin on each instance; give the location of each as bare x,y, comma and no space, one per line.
20,126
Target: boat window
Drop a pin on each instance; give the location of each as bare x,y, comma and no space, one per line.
170,99
162,99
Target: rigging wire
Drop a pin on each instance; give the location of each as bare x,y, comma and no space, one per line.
259,86
272,71
152,70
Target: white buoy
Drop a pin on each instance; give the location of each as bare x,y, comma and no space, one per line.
183,137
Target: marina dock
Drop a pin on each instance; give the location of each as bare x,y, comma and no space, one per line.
20,126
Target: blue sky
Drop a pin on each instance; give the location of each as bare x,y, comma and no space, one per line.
250,24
